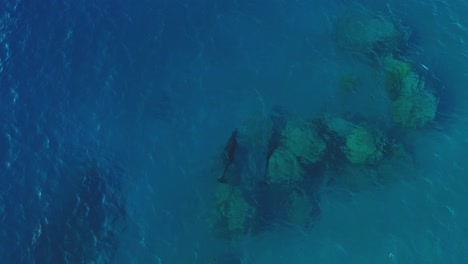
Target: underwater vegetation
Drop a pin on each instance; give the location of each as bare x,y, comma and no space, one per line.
300,153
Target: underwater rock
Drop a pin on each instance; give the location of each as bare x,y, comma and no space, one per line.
367,33
284,168
397,76
357,144
334,131
364,145
302,139
414,104
414,111
234,214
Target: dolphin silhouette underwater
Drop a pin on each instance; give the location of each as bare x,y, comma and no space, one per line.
228,155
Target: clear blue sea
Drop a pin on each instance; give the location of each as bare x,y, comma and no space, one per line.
112,112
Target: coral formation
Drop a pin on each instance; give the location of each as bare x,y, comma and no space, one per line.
302,139
364,145
233,210
283,168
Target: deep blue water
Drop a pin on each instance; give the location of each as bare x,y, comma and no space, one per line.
112,111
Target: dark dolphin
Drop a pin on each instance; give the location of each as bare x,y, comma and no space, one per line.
228,155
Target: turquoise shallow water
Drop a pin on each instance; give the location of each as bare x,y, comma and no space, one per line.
112,112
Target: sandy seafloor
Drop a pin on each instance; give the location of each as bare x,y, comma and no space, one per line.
150,91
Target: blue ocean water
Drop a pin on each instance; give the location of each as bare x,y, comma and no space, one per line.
112,112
